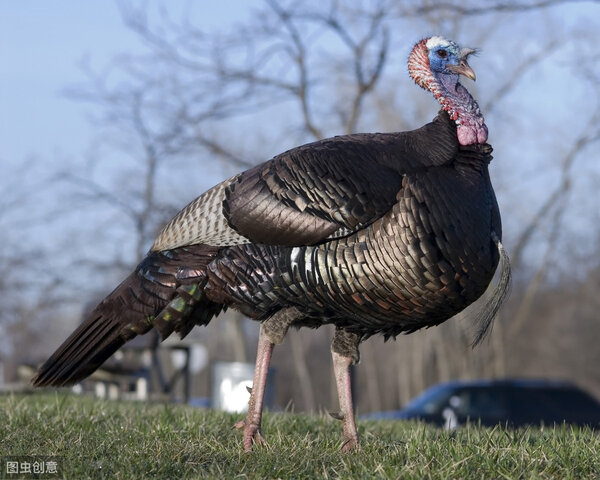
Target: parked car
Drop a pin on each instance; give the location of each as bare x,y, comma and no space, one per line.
508,402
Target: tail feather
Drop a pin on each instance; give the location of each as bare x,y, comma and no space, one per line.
485,318
156,294
81,354
103,333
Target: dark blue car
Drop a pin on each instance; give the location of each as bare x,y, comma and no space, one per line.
508,402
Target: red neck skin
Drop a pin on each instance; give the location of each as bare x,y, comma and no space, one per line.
452,96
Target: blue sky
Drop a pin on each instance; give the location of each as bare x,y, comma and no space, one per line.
41,46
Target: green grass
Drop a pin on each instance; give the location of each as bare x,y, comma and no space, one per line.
102,439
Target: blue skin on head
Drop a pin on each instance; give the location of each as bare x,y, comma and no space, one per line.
440,56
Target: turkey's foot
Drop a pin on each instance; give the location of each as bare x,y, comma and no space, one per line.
252,434
351,443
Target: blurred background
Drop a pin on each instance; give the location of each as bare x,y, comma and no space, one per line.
114,115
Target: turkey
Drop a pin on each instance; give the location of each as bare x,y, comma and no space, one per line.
382,233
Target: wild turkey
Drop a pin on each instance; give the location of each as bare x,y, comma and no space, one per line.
374,233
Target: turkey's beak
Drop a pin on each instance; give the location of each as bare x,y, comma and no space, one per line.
463,68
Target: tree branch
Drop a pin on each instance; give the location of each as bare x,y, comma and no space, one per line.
460,8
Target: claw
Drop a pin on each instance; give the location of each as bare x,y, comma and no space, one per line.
351,445
258,439
249,389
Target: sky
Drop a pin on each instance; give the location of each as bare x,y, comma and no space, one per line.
42,44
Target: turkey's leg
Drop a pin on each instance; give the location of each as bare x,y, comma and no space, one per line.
344,351
272,332
251,424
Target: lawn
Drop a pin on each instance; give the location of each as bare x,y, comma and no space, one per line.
103,439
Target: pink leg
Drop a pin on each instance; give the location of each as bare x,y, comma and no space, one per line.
341,370
251,424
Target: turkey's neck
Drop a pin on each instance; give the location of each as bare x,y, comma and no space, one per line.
461,107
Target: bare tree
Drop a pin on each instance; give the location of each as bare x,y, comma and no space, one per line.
31,294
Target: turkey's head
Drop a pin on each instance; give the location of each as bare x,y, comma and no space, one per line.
436,65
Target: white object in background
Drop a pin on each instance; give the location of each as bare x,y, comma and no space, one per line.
178,358
141,389
231,381
198,358
113,392
449,413
235,395
100,390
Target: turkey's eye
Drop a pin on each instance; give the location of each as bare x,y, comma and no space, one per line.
442,53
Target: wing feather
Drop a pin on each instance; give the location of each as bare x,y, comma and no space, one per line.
312,193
